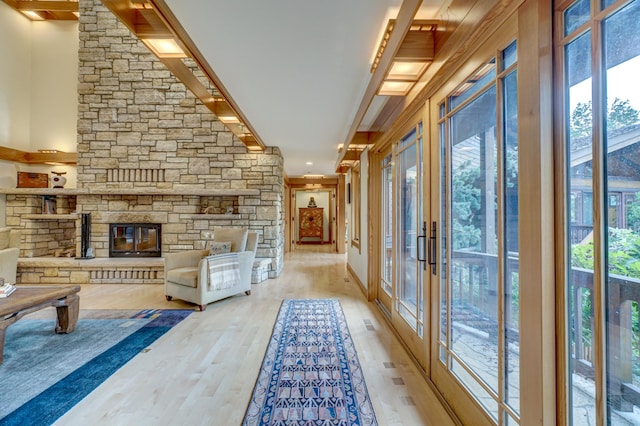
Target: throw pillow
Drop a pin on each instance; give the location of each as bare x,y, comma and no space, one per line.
217,247
237,236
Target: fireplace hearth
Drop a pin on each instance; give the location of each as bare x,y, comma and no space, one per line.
134,240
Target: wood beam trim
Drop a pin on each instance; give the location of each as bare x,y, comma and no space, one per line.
128,16
302,182
45,6
364,138
15,155
407,12
10,154
58,157
150,25
417,46
181,34
184,74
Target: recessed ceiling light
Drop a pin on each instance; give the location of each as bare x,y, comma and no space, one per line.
164,47
34,16
309,163
395,88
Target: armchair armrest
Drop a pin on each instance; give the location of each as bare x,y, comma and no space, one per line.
183,259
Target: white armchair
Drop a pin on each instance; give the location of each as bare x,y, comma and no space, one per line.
9,252
186,274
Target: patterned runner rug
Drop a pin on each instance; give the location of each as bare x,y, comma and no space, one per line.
310,374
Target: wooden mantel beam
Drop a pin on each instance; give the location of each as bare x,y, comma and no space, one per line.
10,154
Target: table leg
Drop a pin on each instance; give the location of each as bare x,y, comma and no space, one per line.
68,314
3,329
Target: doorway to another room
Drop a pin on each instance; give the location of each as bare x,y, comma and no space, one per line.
314,216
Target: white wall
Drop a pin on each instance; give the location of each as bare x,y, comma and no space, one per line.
322,199
38,92
358,261
54,82
15,78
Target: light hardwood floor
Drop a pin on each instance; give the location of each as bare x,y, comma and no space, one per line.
202,372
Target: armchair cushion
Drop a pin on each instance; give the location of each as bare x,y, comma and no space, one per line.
184,276
4,238
237,236
216,247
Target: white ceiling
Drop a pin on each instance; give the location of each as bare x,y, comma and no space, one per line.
297,69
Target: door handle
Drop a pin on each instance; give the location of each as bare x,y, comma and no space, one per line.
433,253
422,237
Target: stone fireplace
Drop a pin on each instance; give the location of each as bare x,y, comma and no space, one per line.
148,152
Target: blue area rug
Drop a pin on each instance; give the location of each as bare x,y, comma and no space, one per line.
45,374
310,374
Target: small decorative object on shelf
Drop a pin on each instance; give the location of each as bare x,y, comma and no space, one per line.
312,202
33,180
58,180
49,204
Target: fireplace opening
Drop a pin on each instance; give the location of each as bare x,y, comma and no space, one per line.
134,240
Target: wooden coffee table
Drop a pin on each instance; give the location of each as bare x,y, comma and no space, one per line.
27,299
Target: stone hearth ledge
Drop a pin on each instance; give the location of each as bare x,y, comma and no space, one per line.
118,262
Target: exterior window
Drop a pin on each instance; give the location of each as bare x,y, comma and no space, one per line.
602,146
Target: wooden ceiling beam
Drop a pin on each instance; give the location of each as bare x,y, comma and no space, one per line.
403,23
352,155
184,74
150,25
417,46
163,10
154,19
364,138
46,6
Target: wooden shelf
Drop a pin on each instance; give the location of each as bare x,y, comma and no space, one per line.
129,191
70,216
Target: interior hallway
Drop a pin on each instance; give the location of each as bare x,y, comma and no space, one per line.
202,372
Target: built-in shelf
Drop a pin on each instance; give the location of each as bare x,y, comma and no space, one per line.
129,191
70,216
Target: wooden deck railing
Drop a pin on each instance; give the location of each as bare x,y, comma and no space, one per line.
474,285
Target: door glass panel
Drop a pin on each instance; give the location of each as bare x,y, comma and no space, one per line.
442,268
474,266
487,399
580,279
512,248
622,142
387,225
409,217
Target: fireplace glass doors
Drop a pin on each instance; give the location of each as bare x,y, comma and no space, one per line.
134,240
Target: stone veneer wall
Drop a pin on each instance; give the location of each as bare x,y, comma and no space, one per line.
139,127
